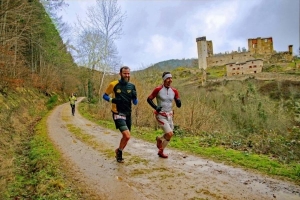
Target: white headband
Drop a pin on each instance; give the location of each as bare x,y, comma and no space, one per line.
167,76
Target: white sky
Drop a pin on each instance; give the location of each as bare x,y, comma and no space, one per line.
159,30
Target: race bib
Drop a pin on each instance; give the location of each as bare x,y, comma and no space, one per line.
119,117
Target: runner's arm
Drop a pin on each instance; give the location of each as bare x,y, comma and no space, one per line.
106,97
178,103
109,99
134,97
155,107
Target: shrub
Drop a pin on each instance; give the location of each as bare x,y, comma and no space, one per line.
52,102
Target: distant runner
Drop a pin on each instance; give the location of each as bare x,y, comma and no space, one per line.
72,100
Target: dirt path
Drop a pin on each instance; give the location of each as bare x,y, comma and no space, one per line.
146,176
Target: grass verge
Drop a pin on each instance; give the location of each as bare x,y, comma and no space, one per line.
259,163
43,174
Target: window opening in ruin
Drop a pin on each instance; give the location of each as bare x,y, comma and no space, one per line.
233,68
238,68
255,72
250,67
254,66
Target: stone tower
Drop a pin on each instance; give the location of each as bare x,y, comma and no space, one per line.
262,46
205,49
291,49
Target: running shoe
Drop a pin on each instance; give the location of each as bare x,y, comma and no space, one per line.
119,156
161,154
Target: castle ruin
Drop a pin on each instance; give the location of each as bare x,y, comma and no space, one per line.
260,50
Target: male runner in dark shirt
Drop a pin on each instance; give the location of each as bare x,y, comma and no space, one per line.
123,93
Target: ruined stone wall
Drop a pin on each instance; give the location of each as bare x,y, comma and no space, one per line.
249,67
281,57
261,45
223,59
210,49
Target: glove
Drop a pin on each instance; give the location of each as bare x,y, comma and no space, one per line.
158,108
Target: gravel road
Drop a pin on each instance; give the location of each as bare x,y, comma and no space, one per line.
146,176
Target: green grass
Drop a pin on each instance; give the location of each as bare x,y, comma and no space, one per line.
216,71
39,175
52,102
259,163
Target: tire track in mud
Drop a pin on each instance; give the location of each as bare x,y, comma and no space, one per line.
90,150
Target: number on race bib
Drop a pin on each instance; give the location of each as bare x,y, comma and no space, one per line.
119,117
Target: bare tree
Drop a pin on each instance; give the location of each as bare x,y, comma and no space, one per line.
102,28
89,45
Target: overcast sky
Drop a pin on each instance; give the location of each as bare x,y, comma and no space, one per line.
158,30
